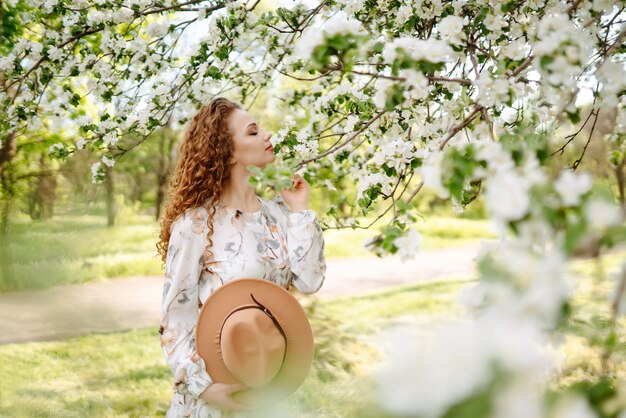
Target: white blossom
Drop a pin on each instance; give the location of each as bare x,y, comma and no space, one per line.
431,173
338,24
408,244
108,161
416,84
382,87
55,147
404,13
429,369
451,29
432,50
96,170
368,180
6,62
492,91
516,49
157,28
571,186
602,214
506,196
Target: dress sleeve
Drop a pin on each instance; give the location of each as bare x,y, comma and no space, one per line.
179,314
305,242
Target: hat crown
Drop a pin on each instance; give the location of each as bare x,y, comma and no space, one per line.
252,346
289,318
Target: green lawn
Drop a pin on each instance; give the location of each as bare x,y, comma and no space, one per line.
123,374
76,249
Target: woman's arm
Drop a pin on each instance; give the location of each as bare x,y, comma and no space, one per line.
305,242
179,314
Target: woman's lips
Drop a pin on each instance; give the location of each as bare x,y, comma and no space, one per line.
270,148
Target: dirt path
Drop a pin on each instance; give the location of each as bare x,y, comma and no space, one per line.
120,304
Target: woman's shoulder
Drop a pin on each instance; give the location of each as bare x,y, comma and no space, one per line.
192,220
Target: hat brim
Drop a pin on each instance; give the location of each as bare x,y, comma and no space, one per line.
289,314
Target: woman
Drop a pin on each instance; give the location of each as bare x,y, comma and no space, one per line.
216,229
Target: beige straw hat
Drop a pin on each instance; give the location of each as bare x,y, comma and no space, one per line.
253,331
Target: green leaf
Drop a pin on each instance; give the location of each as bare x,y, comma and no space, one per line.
545,60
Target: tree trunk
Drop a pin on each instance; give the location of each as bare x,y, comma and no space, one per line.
110,197
619,173
8,193
164,169
8,151
160,195
43,195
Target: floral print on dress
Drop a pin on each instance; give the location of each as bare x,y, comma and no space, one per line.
273,243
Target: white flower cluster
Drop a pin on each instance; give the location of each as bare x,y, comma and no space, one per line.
408,244
404,13
431,171
571,186
432,50
56,147
367,180
506,187
416,84
567,46
349,6
492,91
451,29
338,24
397,153
602,214
442,365
613,78
80,143
6,62
157,28
279,136
307,146
108,161
96,172
535,287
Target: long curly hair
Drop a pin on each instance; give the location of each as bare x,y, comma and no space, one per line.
202,170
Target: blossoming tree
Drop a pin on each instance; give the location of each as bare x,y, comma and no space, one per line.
467,96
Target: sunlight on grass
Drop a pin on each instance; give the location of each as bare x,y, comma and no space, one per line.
78,249
124,374
585,358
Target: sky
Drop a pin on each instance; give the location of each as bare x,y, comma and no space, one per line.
196,30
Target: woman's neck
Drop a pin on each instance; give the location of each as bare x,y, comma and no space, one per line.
239,193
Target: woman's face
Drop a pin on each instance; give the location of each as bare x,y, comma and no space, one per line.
252,143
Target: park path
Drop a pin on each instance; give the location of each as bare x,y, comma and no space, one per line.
134,302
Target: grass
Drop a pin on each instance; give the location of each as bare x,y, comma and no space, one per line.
77,249
123,374
594,291
68,250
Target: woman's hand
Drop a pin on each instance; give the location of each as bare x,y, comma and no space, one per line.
220,395
297,197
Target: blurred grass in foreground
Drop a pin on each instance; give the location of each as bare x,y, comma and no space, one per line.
123,373
77,249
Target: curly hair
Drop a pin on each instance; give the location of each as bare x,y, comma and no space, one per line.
202,169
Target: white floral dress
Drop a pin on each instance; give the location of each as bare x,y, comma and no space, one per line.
273,243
